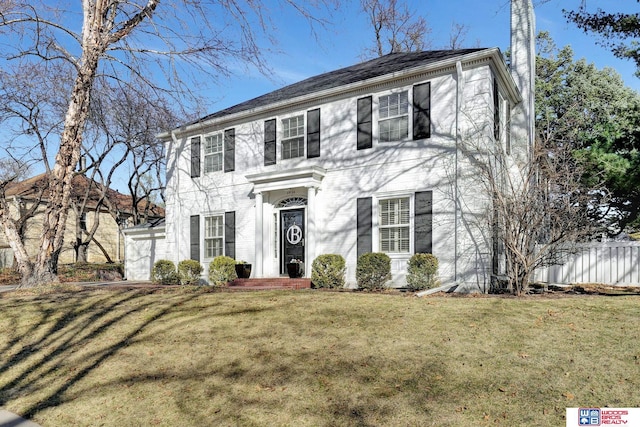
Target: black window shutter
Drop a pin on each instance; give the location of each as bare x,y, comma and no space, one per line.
229,150
508,129
270,142
365,129
496,111
195,157
230,234
313,133
423,233
364,225
194,235
422,111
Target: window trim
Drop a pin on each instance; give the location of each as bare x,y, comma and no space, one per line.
204,236
220,153
376,226
408,115
301,136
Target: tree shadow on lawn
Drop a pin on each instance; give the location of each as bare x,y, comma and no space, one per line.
63,327
274,371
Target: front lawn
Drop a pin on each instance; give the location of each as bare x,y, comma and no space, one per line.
312,358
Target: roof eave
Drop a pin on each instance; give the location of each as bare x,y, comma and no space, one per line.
503,71
492,53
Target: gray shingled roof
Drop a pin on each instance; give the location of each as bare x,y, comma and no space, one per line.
158,222
387,64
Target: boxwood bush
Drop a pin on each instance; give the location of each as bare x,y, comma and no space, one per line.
164,273
222,270
189,271
328,271
422,272
373,270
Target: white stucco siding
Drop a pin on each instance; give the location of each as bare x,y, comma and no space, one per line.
387,169
340,190
475,143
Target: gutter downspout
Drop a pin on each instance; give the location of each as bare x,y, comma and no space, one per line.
177,233
459,89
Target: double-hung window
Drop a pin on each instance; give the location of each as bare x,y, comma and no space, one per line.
213,153
393,116
394,225
293,137
213,236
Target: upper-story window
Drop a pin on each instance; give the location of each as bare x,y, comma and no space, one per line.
401,116
394,225
393,115
293,137
213,153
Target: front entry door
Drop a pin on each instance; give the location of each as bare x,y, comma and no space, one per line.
292,235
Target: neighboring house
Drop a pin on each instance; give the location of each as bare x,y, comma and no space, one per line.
367,158
113,213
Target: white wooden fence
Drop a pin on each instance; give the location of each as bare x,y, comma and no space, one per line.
612,263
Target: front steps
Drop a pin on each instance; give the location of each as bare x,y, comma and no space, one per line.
271,283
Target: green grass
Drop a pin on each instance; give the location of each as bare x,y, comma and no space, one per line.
311,358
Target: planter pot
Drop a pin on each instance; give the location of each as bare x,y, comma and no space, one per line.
243,271
294,270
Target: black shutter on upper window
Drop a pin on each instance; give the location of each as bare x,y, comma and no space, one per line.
496,111
194,237
423,232
507,125
313,133
364,225
422,111
365,128
195,157
229,150
270,142
230,234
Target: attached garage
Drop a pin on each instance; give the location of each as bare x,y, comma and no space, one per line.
143,246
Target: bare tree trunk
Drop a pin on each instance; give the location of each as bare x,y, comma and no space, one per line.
23,264
56,213
103,250
96,38
81,250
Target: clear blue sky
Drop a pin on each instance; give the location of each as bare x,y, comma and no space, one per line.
342,43
300,54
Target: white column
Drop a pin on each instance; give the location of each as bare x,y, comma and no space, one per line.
258,236
310,239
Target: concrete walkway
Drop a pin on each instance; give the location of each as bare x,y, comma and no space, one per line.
8,419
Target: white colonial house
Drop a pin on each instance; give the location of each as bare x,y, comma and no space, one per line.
367,158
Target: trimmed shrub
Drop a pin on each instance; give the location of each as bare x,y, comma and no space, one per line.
164,273
222,270
422,272
327,271
373,270
189,271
